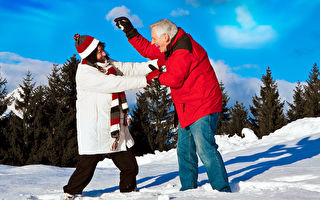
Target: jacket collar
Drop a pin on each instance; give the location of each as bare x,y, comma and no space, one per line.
102,67
173,42
96,65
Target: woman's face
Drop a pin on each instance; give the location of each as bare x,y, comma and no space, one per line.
101,54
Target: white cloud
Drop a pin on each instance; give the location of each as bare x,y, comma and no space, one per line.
194,3
246,66
249,35
243,89
244,18
179,12
286,90
238,88
197,3
123,11
14,68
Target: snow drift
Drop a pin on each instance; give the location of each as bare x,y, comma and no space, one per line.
283,165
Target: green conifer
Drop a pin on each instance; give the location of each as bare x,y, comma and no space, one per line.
296,109
224,117
140,128
160,115
312,93
3,94
3,121
239,119
24,105
267,109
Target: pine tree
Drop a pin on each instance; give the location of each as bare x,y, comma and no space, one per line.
160,114
47,132
296,109
3,121
24,105
224,117
54,93
140,128
239,119
39,127
267,109
312,94
4,143
15,153
54,106
19,131
25,94
68,114
153,120
3,94
61,144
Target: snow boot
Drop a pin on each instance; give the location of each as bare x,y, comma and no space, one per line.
67,196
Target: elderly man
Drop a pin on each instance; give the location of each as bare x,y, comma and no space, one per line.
195,92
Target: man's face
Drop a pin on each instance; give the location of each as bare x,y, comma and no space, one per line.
101,54
162,42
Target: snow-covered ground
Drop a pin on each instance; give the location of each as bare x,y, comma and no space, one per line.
283,165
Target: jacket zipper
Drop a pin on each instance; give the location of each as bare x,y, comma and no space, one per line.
183,105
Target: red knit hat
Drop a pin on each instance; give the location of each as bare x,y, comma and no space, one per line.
85,44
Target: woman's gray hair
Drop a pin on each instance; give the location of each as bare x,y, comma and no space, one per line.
165,26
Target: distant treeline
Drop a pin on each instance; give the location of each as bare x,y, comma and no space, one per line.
47,132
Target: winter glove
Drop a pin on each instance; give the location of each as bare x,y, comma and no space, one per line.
153,75
153,68
125,25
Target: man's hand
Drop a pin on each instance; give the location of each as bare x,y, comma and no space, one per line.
126,26
123,23
153,75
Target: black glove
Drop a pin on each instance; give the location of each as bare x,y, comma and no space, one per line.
153,68
126,26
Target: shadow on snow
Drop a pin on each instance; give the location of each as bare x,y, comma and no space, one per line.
304,149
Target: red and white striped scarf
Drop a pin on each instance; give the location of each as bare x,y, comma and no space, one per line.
119,102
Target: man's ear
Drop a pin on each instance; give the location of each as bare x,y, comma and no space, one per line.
166,37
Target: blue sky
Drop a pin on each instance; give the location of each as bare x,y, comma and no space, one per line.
242,37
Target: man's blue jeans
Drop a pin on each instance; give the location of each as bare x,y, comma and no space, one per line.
199,138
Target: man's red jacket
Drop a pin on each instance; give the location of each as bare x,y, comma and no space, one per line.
194,86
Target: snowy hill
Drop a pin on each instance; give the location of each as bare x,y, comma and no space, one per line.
283,165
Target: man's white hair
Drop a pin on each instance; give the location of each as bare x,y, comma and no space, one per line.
165,26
